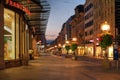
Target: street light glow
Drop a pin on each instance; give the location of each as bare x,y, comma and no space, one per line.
74,39
67,42
105,26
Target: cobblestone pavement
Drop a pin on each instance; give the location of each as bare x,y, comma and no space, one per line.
58,68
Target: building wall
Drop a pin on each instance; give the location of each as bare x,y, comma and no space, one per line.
18,30
80,34
89,27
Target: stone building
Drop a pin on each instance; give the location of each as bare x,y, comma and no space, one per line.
96,13
77,28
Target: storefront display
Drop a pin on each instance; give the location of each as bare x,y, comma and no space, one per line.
11,33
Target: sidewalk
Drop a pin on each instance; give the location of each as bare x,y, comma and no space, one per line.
85,58
58,68
112,63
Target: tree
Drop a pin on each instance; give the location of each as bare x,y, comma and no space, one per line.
105,41
59,49
74,47
67,47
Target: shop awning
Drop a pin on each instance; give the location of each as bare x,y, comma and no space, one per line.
39,13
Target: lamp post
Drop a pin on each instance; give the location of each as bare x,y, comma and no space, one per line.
105,27
106,41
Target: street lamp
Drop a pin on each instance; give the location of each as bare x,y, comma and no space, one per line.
105,27
67,42
59,45
74,39
105,42
59,49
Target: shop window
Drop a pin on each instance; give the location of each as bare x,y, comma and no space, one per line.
11,35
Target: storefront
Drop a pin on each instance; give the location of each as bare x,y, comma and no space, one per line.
89,50
14,36
19,20
11,34
81,50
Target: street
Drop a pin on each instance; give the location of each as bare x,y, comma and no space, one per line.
51,67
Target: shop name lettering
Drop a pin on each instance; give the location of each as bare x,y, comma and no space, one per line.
19,6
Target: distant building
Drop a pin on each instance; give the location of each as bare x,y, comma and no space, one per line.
73,28
78,28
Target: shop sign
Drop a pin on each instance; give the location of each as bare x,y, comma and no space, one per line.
18,5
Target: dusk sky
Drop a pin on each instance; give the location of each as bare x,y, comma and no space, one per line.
60,11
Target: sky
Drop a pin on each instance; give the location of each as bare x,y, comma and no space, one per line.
60,11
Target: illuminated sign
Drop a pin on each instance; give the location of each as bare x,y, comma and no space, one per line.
18,5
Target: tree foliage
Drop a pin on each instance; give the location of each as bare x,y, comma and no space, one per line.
67,47
59,48
74,47
106,40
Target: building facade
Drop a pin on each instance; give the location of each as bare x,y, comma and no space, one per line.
77,28
73,28
101,11
14,35
89,27
16,31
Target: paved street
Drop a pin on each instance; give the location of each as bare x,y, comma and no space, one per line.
58,68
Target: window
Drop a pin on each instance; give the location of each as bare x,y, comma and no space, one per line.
11,35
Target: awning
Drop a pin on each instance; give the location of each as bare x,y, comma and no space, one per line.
39,14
